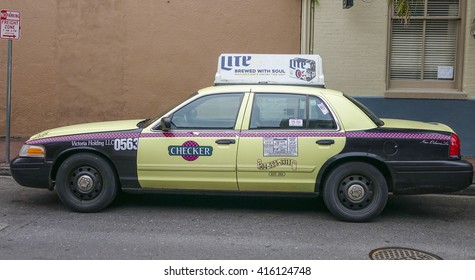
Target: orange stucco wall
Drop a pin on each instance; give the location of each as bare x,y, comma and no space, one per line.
89,60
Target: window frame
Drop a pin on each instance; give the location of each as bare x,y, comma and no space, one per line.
307,113
425,88
209,96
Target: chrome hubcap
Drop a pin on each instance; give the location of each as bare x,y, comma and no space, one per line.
356,193
85,183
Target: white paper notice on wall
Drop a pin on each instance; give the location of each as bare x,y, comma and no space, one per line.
445,72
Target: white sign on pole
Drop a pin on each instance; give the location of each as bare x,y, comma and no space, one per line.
9,25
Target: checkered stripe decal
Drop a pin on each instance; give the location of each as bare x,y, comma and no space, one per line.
398,135
246,134
189,134
292,134
82,137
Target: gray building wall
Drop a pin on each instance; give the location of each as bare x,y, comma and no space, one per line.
353,44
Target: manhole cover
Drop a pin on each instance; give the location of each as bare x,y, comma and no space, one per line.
398,253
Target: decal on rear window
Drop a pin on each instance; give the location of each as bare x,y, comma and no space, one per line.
295,122
323,108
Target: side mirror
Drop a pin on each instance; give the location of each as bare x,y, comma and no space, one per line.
166,123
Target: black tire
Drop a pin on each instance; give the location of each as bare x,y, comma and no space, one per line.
86,182
355,192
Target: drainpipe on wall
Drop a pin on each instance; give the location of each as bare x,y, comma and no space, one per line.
307,26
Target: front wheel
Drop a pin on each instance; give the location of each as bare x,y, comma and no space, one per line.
355,192
86,183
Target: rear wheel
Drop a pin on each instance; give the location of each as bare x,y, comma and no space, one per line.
86,183
355,192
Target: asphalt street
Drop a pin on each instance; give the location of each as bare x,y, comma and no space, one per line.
35,225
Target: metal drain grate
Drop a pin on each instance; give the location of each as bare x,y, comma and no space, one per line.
398,253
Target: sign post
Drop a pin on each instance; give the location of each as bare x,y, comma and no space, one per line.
9,30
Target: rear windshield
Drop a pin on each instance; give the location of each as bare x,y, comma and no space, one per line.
367,111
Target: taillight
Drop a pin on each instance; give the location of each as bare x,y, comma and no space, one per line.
454,146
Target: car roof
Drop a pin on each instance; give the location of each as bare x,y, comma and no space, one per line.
311,90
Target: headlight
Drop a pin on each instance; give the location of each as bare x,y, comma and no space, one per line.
32,151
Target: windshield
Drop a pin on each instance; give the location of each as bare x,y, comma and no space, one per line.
367,111
148,122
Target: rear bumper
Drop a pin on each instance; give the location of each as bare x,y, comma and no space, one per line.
31,172
422,177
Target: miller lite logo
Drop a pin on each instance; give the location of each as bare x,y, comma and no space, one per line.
228,62
303,69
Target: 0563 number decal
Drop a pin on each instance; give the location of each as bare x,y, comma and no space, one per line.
126,144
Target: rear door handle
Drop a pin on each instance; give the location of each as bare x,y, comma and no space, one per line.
225,141
326,142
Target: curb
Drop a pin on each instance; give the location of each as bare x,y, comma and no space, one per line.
5,171
468,191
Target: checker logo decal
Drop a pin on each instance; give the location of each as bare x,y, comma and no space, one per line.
190,151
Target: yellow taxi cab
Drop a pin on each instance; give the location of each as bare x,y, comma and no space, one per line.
267,126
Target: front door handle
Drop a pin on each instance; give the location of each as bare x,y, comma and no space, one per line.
326,142
225,141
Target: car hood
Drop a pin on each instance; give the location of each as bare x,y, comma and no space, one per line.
88,128
416,125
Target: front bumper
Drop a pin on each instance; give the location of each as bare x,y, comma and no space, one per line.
31,172
423,177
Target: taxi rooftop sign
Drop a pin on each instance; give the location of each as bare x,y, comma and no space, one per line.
9,25
270,69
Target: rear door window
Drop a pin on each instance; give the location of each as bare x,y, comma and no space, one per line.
290,111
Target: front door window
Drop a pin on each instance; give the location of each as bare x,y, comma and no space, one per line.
209,112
